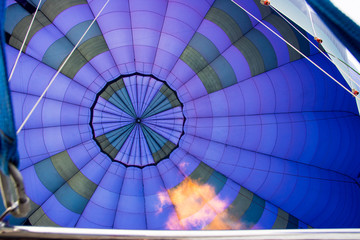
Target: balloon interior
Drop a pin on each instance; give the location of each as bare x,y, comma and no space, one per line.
179,115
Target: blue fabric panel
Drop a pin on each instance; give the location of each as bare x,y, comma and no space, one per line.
57,52
239,16
13,16
204,46
71,199
75,33
265,48
48,175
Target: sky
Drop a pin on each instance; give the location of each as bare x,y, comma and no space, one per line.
350,8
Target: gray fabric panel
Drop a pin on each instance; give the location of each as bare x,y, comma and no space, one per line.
193,59
19,31
252,55
202,173
93,47
64,165
264,10
225,22
114,87
286,32
281,220
74,64
82,185
39,218
106,146
164,151
241,203
210,79
170,95
52,8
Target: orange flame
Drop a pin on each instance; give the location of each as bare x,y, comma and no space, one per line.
197,207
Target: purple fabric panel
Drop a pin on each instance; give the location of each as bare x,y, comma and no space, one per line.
280,47
81,155
251,7
182,73
42,40
97,216
170,173
215,34
268,217
238,63
37,151
88,77
95,169
192,89
105,65
61,216
72,16
186,163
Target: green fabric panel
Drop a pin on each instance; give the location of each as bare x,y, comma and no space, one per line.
106,146
113,87
293,222
39,218
217,180
286,31
202,173
254,212
52,8
224,71
19,32
74,64
241,203
225,22
170,95
210,79
82,185
165,150
193,59
57,52
281,221
204,46
48,175
252,55
64,165
70,199
93,47
265,48
76,32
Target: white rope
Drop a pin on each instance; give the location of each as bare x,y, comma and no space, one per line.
58,71
341,70
310,16
25,39
296,49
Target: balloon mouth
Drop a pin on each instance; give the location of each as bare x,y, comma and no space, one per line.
137,120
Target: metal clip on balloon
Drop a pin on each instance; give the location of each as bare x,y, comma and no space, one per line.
355,92
265,2
319,40
15,200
